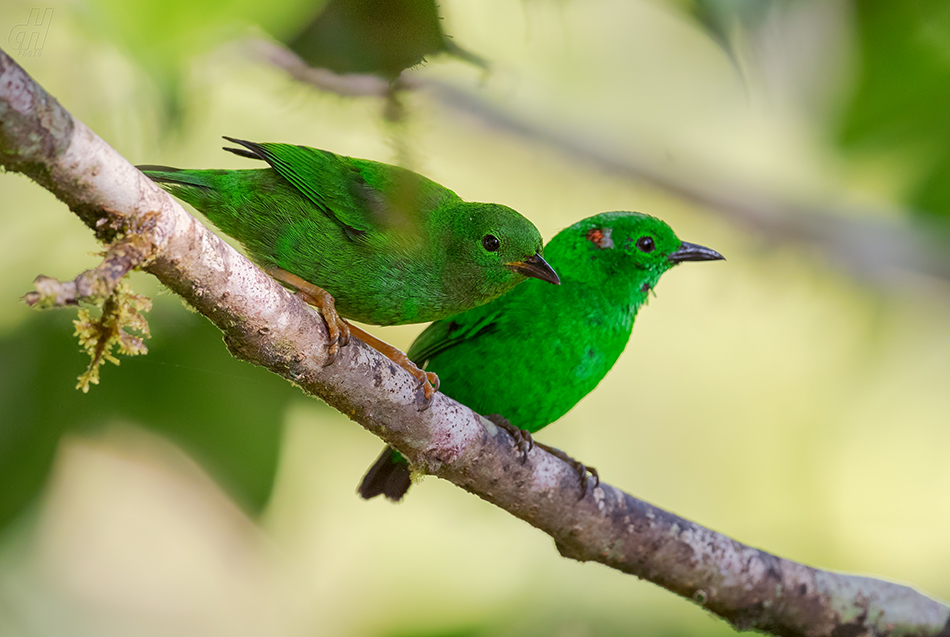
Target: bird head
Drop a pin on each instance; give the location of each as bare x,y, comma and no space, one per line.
497,246
616,248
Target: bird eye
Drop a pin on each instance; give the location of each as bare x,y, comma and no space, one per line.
490,242
646,244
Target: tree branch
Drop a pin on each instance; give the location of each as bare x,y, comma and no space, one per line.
266,325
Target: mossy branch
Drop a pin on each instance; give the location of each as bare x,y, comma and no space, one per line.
103,287
266,325
94,286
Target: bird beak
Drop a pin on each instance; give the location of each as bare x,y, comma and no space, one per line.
536,267
693,252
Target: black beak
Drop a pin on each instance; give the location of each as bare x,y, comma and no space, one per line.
536,267
693,252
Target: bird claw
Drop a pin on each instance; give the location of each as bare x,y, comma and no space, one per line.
338,329
333,348
341,339
338,338
525,443
428,381
579,468
523,440
430,385
582,471
345,333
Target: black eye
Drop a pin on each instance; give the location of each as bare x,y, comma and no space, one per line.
646,244
490,242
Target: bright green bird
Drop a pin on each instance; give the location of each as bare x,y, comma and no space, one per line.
532,354
364,240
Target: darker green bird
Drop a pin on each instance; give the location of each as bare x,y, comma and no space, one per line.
364,240
532,354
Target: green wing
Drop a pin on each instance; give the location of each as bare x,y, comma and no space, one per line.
446,334
362,196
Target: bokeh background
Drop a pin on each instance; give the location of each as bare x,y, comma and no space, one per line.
795,397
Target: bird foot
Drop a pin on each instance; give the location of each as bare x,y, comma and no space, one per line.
339,331
337,328
428,381
580,468
523,440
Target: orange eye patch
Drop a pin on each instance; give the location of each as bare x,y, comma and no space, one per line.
599,238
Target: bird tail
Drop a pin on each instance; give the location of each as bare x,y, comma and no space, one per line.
250,150
389,476
177,176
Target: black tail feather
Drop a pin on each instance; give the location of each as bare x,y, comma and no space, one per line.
389,476
253,151
240,152
160,169
177,177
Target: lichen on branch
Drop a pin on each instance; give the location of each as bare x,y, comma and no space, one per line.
104,287
121,311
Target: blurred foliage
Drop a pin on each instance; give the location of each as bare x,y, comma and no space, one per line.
902,97
723,20
224,412
898,106
381,37
164,36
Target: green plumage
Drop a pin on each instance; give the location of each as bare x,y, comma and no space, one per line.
389,245
532,354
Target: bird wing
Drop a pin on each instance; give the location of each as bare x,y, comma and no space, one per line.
445,334
362,196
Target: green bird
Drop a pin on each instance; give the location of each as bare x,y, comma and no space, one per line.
528,357
364,240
